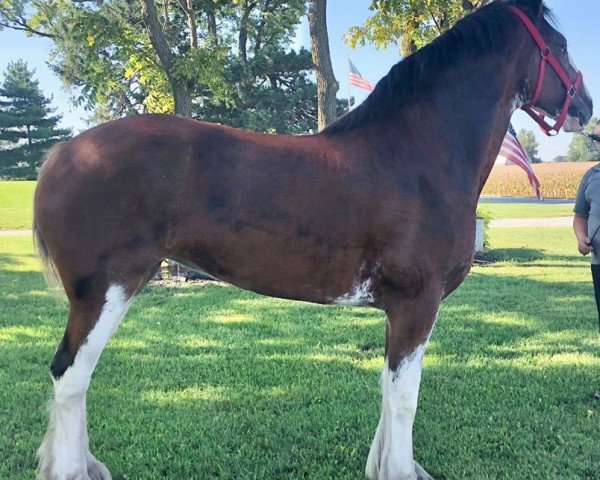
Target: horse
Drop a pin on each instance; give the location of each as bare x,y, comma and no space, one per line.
378,209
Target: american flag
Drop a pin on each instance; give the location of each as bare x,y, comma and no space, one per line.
513,151
356,79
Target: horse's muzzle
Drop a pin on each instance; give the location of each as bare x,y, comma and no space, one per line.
580,111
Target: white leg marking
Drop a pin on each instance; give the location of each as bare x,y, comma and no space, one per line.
64,453
391,455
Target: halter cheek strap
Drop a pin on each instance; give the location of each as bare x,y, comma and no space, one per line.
547,57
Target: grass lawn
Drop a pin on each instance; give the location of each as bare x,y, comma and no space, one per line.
210,382
526,210
16,205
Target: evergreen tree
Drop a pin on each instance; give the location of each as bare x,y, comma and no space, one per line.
27,126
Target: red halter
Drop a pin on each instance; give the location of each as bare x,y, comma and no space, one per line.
548,57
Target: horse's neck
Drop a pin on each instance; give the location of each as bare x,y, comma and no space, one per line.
476,114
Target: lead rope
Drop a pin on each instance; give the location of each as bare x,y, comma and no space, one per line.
591,136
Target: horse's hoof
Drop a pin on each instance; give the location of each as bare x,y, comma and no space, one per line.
421,473
96,469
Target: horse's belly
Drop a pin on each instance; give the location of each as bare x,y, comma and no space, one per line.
278,265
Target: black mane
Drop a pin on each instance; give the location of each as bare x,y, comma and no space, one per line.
476,35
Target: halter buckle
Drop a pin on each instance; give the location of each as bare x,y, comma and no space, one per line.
572,91
546,52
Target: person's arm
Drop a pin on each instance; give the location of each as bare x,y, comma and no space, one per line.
580,220
580,227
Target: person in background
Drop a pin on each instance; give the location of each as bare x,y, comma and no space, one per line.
586,221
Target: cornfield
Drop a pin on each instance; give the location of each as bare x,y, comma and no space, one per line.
559,180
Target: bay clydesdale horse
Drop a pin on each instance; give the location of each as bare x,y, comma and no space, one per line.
341,217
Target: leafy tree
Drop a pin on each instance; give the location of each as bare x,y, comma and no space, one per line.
219,60
27,126
409,23
560,159
583,149
530,144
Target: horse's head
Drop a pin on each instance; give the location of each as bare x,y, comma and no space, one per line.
553,86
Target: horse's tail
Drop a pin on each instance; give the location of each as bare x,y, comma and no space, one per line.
49,269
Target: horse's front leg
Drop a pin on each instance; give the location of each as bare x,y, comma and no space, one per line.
409,324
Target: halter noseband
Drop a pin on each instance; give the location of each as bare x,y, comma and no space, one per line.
548,57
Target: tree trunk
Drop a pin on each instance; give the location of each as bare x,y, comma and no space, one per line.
407,44
212,28
181,97
267,8
181,91
243,35
327,86
188,9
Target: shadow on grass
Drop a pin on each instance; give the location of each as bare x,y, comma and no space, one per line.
12,260
529,257
516,254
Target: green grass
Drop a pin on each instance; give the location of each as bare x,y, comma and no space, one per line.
215,383
527,210
16,205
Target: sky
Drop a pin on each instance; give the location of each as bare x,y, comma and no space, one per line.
579,20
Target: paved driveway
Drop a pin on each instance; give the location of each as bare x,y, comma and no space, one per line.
532,222
14,233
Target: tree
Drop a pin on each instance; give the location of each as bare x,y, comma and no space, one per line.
218,60
410,24
583,149
560,159
530,144
327,86
27,126
180,85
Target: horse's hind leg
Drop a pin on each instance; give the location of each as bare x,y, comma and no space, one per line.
409,324
96,310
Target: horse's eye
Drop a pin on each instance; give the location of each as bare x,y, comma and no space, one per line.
563,48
